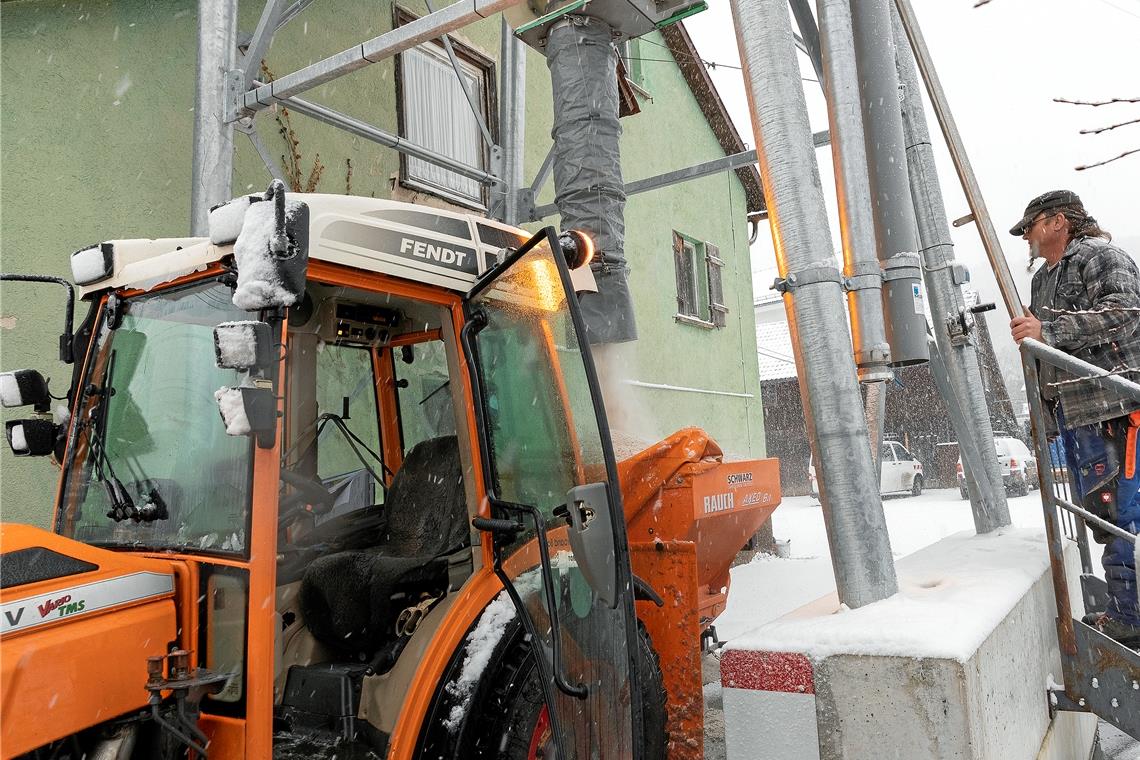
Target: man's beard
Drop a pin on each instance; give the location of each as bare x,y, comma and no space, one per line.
1034,254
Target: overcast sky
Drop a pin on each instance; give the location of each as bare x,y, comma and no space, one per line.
1001,65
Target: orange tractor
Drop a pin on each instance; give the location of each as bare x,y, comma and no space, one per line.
337,482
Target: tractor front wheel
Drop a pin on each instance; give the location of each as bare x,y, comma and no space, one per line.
507,717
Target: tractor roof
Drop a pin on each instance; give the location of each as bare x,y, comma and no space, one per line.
429,245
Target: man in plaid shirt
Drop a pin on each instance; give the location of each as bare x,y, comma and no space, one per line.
1086,302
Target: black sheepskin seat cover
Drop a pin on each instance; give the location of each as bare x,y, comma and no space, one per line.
351,599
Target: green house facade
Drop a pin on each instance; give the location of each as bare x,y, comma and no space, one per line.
96,125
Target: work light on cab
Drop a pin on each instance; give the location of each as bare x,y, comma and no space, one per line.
577,248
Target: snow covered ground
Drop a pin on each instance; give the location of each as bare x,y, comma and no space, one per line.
769,587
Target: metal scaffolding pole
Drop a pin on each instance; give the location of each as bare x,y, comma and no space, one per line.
895,233
512,121
849,487
978,211
953,325
211,172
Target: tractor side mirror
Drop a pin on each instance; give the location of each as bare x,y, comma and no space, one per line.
249,411
272,252
24,387
34,437
243,345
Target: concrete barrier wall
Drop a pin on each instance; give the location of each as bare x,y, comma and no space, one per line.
989,704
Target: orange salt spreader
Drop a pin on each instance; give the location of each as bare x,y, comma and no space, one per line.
688,513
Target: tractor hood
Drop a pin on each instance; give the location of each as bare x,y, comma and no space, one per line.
77,624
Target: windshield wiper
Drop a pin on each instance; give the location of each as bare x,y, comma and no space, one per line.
122,505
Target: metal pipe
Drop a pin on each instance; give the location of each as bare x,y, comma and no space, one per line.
1066,636
895,234
849,488
810,34
259,44
357,127
973,191
1082,371
377,49
512,120
948,307
974,470
853,192
212,166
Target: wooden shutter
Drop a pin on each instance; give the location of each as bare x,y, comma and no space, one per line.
717,309
683,264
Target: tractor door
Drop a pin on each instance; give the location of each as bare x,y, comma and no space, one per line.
560,545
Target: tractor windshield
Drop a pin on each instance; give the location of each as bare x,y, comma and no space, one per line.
149,429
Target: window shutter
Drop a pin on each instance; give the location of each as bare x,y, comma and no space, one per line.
717,309
683,266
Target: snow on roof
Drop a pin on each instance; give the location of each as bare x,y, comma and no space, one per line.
774,348
952,594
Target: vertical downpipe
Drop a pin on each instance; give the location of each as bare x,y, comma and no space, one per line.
512,119
213,163
856,224
849,487
893,212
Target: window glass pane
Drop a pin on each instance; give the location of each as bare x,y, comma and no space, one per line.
160,429
425,402
345,372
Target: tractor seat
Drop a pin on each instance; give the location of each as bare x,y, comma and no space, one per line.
350,599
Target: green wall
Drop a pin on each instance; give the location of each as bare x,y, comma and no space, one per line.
96,120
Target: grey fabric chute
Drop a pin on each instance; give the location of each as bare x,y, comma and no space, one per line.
589,190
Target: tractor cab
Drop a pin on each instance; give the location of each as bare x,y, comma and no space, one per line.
363,442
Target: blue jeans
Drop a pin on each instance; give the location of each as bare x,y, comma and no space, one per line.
1096,462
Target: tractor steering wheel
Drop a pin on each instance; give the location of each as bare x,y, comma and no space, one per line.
308,492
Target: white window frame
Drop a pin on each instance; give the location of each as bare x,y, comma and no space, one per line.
427,65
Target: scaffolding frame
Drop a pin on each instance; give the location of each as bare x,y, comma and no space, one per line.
234,103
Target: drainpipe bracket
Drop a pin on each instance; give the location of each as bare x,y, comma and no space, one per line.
902,266
808,276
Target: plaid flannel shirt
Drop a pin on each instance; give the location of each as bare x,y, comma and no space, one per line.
1091,310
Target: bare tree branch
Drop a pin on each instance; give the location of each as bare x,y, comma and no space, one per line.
1110,126
1093,103
1108,161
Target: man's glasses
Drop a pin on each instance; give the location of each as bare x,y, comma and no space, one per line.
1033,224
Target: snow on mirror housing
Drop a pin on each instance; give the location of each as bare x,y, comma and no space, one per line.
243,345
577,247
31,437
272,251
93,264
249,411
24,387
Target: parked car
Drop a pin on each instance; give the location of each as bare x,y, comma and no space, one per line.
1018,468
900,471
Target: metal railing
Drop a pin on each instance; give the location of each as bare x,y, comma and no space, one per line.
1101,675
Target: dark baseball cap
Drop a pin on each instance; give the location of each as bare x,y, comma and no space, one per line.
1045,202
